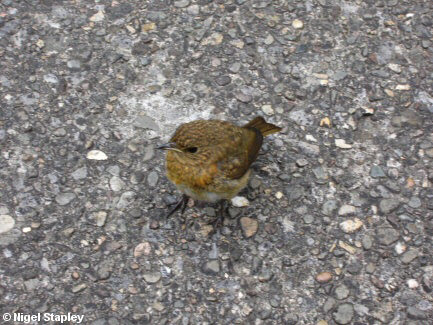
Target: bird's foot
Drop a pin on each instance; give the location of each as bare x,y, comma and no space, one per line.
218,221
182,203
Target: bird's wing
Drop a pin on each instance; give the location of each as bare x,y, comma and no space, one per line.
243,154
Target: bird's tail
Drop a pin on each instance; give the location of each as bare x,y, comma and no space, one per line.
260,124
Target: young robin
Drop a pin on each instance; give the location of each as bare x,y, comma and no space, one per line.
209,160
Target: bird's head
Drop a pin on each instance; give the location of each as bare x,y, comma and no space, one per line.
191,143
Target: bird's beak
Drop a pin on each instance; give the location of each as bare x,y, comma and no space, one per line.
168,146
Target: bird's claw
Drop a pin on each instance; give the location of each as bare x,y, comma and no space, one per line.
218,221
182,203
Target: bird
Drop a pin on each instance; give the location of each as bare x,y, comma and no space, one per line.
209,160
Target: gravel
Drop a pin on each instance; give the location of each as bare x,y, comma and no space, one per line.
335,225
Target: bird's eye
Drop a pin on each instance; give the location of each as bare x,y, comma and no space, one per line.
192,149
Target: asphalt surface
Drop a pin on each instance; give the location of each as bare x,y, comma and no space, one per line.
336,224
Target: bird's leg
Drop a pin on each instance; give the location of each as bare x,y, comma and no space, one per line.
180,204
219,219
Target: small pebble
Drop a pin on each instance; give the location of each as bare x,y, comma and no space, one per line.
79,288
342,292
80,173
402,87
268,110
223,80
370,268
152,179
158,306
350,226
388,205
301,162
212,267
265,276
394,67
324,277
100,218
400,248
412,283
308,219
152,277
341,143
181,3
409,256
240,201
343,314
309,137
326,122
40,43
99,16
329,304
116,184
65,198
346,209
377,172
387,236
6,223
414,202
249,226
298,24
193,10
367,242
367,111
243,97
96,155
348,248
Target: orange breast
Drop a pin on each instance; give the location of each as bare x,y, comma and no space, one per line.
190,176
206,176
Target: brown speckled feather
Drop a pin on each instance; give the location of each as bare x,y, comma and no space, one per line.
211,159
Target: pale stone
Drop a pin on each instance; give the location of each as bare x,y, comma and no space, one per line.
148,27
402,87
96,155
324,277
325,121
298,24
394,67
143,248
412,283
348,248
6,223
214,39
346,209
249,226
389,92
268,110
350,226
340,143
278,195
400,248
309,137
100,218
40,43
99,16
240,201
